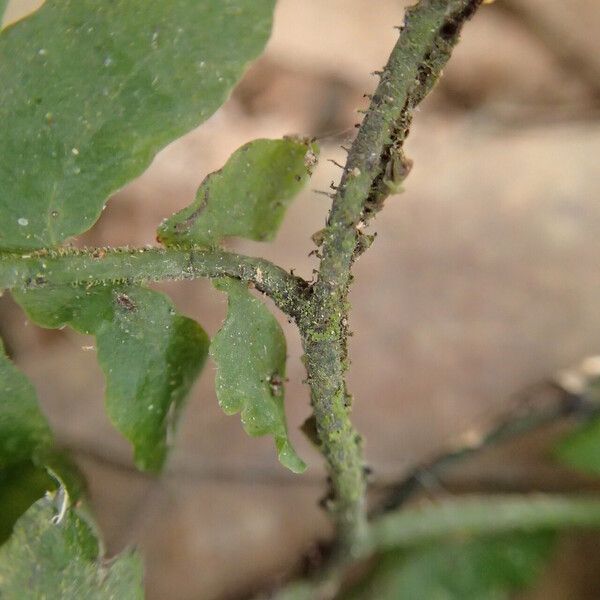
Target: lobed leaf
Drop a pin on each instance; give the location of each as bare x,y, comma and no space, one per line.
150,355
91,92
491,568
52,556
250,353
248,197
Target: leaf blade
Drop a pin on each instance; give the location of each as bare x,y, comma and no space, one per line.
21,485
153,373
150,355
250,353
24,430
47,557
92,92
247,198
489,568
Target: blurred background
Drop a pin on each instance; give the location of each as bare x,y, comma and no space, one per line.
483,281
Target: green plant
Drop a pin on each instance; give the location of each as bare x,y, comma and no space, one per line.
91,91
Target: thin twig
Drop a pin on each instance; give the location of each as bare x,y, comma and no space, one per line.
524,420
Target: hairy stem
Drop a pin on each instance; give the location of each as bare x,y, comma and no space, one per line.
101,266
430,32
374,169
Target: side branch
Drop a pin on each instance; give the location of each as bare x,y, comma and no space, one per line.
470,515
453,519
102,266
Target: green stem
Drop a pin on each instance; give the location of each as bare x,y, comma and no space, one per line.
480,515
460,517
100,266
431,30
375,167
340,443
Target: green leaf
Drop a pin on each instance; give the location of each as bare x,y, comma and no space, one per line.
54,556
248,197
91,91
250,353
490,568
82,309
24,431
150,355
20,486
581,449
27,455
